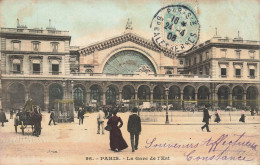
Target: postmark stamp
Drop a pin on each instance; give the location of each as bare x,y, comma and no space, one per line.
176,28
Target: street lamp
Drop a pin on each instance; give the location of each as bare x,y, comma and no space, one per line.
167,107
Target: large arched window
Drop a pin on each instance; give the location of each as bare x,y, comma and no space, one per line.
128,62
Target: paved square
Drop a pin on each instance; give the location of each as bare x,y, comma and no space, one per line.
180,142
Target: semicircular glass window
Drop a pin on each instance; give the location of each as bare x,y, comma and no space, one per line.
128,62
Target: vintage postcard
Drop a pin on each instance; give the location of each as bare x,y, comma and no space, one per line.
174,82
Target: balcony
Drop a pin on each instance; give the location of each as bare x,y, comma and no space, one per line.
55,73
36,72
16,72
251,77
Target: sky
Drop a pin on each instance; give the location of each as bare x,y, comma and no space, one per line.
90,21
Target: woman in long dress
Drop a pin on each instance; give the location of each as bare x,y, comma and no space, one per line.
117,141
217,119
242,118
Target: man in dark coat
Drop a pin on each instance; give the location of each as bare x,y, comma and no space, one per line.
206,118
2,117
52,118
134,128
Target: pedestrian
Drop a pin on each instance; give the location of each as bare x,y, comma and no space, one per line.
206,118
100,120
117,142
217,119
81,115
11,113
106,112
134,128
256,110
242,118
37,118
2,117
52,117
252,112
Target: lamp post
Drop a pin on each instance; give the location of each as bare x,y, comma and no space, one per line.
167,108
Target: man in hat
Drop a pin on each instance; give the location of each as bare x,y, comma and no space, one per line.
2,117
52,117
134,128
206,118
100,119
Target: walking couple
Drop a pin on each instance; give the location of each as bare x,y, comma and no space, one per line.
117,142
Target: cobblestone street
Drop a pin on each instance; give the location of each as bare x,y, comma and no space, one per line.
71,143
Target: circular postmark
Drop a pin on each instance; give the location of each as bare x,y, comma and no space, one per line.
175,27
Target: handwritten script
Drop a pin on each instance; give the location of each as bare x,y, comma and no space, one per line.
224,147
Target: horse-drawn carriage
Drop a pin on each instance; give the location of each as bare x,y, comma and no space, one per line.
29,116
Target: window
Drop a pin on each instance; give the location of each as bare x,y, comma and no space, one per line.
36,46
238,54
238,72
181,62
54,46
16,66
189,62
252,72
223,72
16,45
36,68
169,72
55,69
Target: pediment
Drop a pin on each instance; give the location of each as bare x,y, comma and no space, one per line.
132,37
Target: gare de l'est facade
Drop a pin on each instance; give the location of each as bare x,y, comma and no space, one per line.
128,69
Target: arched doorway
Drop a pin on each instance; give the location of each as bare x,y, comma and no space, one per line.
189,93
79,95
37,94
158,95
237,97
143,93
128,92
17,95
252,96
223,92
128,96
55,93
174,97
111,95
95,94
203,95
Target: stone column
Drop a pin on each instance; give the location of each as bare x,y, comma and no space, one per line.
88,97
104,98
120,96
230,99
182,105
136,97
244,99
151,96
196,98
46,100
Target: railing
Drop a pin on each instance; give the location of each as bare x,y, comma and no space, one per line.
37,31
36,72
55,73
16,72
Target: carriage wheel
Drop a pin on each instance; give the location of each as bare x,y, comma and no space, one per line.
23,131
15,127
